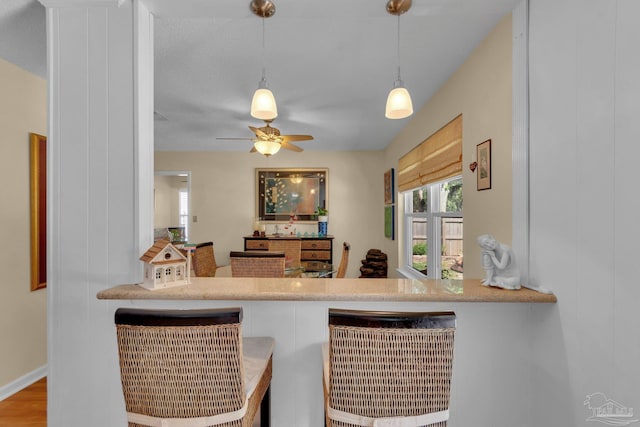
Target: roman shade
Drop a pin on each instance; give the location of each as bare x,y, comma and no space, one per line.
438,157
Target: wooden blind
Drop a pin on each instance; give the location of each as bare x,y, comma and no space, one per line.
438,157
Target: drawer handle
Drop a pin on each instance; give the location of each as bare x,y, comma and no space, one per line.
314,255
313,245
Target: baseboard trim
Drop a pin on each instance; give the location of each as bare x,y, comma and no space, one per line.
23,382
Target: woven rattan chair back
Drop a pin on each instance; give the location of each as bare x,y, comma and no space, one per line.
386,364
204,260
292,249
185,364
344,261
257,264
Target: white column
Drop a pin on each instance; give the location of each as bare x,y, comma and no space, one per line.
100,184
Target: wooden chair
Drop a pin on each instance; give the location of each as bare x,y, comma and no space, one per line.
192,367
344,261
388,368
292,249
257,264
204,260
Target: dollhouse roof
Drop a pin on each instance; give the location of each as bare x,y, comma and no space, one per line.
155,254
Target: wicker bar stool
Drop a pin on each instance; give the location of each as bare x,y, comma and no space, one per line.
257,264
388,368
192,368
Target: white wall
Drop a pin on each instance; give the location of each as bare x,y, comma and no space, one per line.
23,109
585,136
481,91
223,196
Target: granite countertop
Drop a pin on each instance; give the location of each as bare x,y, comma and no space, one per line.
312,289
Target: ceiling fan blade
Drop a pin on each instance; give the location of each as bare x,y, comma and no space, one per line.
291,147
253,149
259,133
287,138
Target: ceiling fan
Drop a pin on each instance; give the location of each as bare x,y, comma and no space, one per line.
268,140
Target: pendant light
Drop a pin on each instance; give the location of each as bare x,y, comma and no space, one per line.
399,103
263,104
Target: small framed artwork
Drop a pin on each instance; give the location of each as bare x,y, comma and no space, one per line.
388,222
38,177
389,196
483,153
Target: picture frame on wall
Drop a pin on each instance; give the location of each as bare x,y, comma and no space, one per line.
389,193
389,222
483,155
38,202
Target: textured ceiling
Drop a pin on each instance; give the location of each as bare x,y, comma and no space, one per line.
330,65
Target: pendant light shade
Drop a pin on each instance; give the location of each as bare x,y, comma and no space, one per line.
263,104
266,147
399,103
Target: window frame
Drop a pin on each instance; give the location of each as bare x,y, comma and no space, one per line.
433,216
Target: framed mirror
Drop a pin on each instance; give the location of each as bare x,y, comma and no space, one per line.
283,194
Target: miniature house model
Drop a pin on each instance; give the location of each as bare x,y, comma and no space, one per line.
164,266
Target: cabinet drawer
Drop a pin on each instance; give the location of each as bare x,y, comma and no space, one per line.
257,245
314,255
316,244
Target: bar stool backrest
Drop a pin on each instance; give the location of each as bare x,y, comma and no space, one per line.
181,363
390,364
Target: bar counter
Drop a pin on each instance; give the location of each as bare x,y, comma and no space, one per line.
495,327
312,289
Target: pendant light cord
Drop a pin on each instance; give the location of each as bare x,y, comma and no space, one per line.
398,49
264,73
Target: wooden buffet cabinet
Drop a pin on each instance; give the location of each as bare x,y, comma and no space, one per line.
316,251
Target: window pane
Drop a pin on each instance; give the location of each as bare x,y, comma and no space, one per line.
451,196
420,199
451,244
419,244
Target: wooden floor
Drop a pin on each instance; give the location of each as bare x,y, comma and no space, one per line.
27,408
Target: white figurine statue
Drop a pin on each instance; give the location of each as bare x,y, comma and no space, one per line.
499,262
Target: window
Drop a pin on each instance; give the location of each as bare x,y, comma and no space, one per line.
433,229
183,207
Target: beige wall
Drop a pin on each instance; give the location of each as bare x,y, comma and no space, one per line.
23,109
480,90
223,196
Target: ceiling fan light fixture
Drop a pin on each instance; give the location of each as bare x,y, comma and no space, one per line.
266,147
399,105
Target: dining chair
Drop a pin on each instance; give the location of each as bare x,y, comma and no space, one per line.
192,368
388,368
204,260
257,264
344,263
292,249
